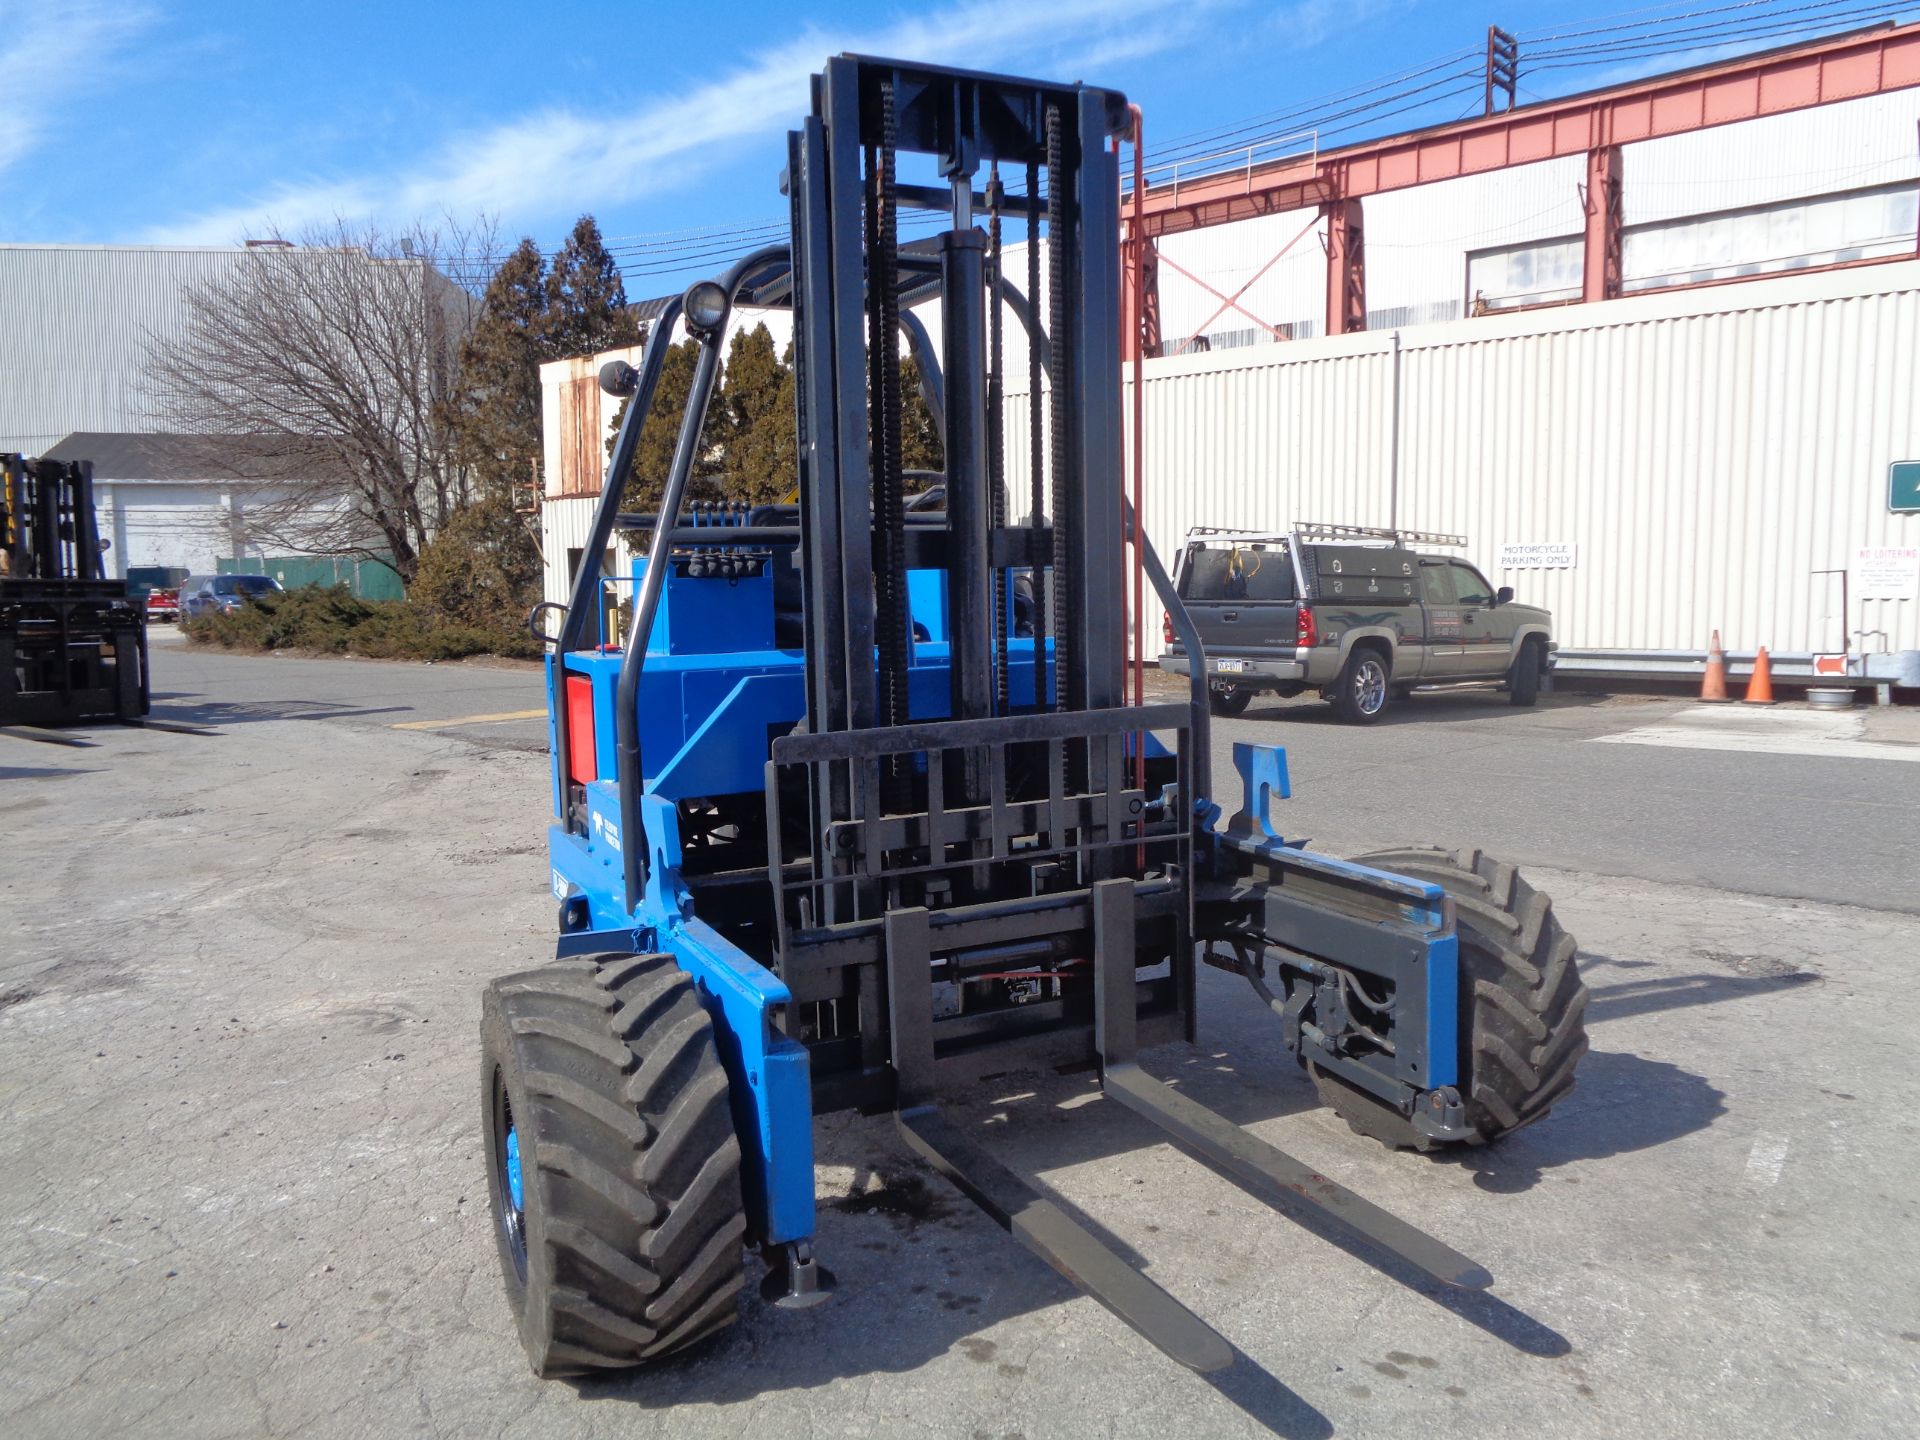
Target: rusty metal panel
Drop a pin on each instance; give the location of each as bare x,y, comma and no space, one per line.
582,442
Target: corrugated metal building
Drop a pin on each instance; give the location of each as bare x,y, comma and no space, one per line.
1786,192
77,320
77,323
1713,457
1713,446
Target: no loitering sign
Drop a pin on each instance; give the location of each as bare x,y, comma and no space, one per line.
1886,572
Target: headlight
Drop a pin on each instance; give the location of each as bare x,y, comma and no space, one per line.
705,306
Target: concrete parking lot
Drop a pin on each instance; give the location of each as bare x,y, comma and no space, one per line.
240,1172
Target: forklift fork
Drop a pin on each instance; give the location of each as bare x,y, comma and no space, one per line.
1287,1184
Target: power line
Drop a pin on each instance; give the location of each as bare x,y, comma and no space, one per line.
1540,37
1180,144
1696,37
1627,35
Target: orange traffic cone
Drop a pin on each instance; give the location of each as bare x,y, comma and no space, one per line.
1713,685
1760,686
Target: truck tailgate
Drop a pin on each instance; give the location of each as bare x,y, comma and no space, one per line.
1264,628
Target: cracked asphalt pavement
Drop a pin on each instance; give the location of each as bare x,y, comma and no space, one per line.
241,1189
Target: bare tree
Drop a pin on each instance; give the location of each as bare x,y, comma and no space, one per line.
321,376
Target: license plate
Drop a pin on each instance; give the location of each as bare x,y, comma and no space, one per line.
1229,667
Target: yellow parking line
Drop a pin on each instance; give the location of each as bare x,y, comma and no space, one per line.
470,720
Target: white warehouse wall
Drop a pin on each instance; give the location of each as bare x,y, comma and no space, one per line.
1705,450
1420,240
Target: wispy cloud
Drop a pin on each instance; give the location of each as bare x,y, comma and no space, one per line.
48,48
556,162
1308,23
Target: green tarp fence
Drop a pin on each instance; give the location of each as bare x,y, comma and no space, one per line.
368,579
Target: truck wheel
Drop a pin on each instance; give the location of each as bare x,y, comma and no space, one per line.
1523,677
612,1162
1360,694
1230,700
1523,1026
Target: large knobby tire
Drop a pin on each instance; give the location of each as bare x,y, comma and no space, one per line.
1523,1005
1523,676
1229,701
1361,693
612,1162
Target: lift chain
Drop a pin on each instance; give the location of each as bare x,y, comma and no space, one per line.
996,439
883,296
1036,432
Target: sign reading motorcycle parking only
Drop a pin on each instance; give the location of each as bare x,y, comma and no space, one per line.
1548,555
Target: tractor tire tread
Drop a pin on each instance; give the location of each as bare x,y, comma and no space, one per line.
708,1268
713,1313
1515,1009
571,1034
676,1043
1525,1006
571,1162
640,1282
563,1090
636,1219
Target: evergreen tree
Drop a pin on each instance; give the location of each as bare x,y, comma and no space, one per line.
530,313
586,309
498,402
920,447
654,455
754,423
481,569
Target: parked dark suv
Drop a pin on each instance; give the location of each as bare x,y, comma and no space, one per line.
1354,613
212,594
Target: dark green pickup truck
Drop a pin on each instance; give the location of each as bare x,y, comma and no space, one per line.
1354,613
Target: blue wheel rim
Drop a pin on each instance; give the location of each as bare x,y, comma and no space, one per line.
509,1178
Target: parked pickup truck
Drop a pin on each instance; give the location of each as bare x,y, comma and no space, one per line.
1354,613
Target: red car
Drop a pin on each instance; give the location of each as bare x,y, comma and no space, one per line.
163,604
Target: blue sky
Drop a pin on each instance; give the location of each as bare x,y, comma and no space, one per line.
182,121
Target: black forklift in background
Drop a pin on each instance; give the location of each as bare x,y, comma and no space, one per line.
73,643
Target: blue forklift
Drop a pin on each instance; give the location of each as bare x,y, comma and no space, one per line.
860,815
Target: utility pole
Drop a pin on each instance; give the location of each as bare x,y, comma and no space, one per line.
1503,66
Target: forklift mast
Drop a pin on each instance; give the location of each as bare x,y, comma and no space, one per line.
958,807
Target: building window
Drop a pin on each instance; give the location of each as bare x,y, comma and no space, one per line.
1512,277
1771,239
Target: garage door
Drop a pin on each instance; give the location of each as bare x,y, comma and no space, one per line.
172,525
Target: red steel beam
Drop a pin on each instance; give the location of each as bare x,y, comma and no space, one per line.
1605,241
1843,67
1346,268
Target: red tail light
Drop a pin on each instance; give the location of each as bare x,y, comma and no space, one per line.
1166,625
1307,630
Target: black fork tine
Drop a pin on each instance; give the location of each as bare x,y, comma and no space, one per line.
1069,1247
1282,1181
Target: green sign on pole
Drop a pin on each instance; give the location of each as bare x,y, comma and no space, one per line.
1903,486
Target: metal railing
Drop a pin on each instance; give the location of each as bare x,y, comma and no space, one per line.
1268,150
